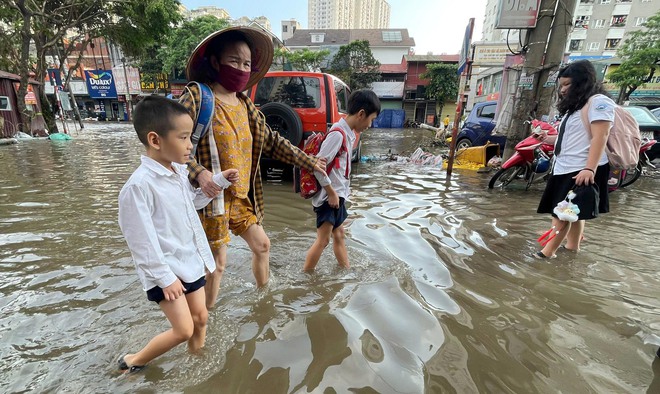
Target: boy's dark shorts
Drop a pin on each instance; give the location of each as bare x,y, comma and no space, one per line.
334,216
156,293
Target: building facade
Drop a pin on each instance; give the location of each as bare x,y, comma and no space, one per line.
387,45
219,13
289,27
348,14
600,26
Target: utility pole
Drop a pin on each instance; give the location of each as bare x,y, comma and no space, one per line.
540,59
129,104
559,33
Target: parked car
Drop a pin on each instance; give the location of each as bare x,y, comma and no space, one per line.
478,127
656,112
297,104
649,126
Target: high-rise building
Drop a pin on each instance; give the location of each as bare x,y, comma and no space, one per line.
490,33
348,14
219,13
600,26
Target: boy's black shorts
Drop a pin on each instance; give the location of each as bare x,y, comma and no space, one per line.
334,216
156,293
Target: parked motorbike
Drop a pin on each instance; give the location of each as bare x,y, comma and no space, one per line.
531,162
623,178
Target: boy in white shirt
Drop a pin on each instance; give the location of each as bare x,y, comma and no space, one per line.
329,202
157,215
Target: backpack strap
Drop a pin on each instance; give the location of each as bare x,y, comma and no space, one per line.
584,114
205,112
344,147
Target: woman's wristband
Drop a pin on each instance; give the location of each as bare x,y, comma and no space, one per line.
588,169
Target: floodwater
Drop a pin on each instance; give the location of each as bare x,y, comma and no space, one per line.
442,295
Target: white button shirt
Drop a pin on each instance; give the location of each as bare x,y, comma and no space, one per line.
157,215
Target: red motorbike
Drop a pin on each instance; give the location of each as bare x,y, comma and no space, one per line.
531,161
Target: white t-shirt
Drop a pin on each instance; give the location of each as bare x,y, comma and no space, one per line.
337,176
576,141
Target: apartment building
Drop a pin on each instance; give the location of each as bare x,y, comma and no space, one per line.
348,14
600,26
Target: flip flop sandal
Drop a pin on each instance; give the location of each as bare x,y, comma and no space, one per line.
540,255
123,366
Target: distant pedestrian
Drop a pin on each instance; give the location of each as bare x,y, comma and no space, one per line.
580,158
446,122
330,203
164,234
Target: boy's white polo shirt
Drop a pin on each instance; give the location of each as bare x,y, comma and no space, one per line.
337,176
157,215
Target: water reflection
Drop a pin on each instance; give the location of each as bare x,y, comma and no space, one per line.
442,296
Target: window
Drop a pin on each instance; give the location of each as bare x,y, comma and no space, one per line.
619,20
298,92
604,1
342,97
640,20
5,104
487,111
285,28
624,1
586,1
582,21
317,38
612,43
392,36
599,23
576,45
594,46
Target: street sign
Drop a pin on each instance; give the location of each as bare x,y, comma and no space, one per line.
465,48
100,84
517,14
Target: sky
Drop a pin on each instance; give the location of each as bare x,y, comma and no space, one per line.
437,26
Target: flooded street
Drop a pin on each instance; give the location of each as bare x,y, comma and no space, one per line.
442,295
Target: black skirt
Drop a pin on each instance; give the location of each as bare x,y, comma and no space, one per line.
558,187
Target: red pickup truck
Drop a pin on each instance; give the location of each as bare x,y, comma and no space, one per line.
297,104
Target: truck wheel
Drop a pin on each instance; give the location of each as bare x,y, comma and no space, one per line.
283,119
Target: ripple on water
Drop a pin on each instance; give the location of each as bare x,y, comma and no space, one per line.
441,296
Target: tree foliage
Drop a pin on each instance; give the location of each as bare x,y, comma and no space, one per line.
303,60
444,80
641,55
131,24
356,65
183,40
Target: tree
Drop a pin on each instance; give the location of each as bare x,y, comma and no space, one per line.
641,55
183,40
304,60
356,65
443,85
131,24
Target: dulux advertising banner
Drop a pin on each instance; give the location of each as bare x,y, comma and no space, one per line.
100,84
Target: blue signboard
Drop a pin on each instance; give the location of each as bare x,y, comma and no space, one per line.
100,84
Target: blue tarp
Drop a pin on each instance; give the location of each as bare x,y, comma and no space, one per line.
389,118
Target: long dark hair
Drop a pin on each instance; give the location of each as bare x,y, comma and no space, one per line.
583,85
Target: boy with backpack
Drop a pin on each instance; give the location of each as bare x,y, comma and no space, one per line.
329,202
164,234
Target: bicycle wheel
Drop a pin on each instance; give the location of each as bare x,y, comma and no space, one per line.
632,175
504,176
